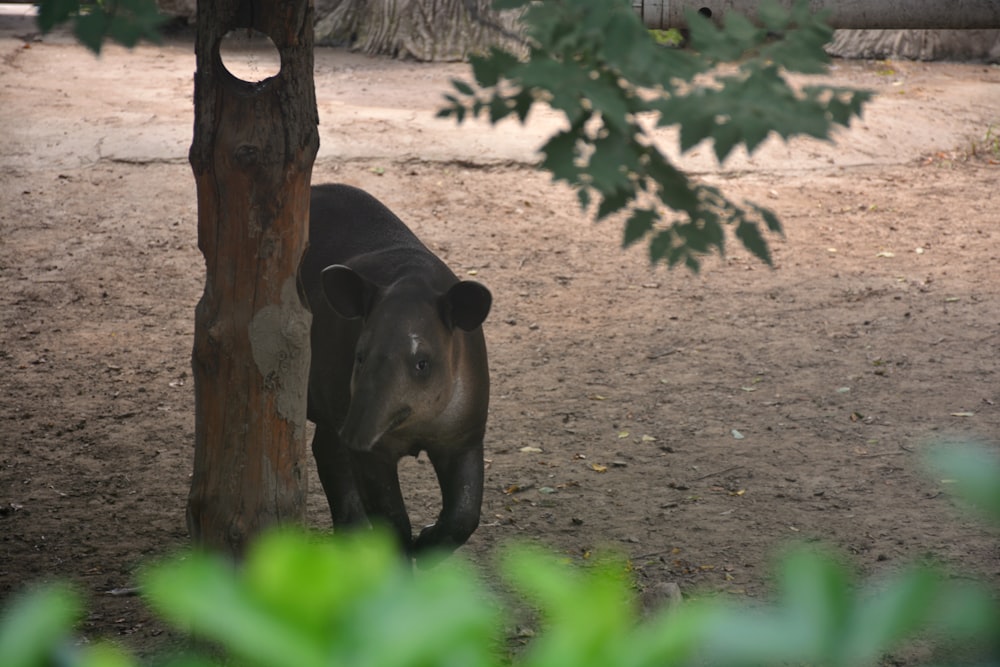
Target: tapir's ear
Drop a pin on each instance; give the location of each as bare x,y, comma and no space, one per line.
347,293
466,304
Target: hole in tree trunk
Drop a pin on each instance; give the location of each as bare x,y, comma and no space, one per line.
249,55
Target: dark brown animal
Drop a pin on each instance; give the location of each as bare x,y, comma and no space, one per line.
398,367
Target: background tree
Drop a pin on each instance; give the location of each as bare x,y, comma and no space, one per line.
420,29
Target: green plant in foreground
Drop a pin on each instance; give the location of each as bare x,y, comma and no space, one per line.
594,62
302,601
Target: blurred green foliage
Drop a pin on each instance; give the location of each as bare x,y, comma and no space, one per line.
304,601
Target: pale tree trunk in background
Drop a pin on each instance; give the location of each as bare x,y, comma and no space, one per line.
957,45
446,30
417,29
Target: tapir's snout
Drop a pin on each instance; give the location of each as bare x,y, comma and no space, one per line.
363,428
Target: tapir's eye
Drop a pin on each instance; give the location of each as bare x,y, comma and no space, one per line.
422,365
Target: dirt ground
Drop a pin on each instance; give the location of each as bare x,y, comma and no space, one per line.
696,423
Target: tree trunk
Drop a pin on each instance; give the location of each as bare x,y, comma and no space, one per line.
252,156
958,45
418,29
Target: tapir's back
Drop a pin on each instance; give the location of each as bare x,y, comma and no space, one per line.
347,224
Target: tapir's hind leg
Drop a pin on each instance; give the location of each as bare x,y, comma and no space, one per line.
333,462
460,475
378,479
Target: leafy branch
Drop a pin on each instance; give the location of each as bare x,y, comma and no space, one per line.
123,21
594,61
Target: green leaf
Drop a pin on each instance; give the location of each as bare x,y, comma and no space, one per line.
816,596
749,234
560,155
91,29
661,245
674,189
608,98
444,616
638,225
588,613
107,655
614,201
697,119
728,44
499,109
522,104
134,20
966,611
614,159
35,624
489,69
741,32
769,218
773,16
972,472
751,637
302,583
203,594
843,105
726,135
462,87
897,610
457,109
54,12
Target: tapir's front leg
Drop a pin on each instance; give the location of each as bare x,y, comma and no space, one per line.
460,475
333,462
378,477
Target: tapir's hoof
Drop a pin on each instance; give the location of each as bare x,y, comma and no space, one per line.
431,547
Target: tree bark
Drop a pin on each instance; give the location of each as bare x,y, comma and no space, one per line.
957,45
252,156
418,29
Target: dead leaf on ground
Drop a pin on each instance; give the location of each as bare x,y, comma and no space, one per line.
597,467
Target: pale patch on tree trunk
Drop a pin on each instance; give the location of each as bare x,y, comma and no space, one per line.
418,29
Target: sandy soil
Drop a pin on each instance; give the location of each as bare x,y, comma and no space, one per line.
696,423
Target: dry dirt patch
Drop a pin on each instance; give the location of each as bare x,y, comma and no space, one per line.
695,423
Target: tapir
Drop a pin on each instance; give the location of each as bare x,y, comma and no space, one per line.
398,367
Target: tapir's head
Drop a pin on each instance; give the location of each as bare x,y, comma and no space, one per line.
410,362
